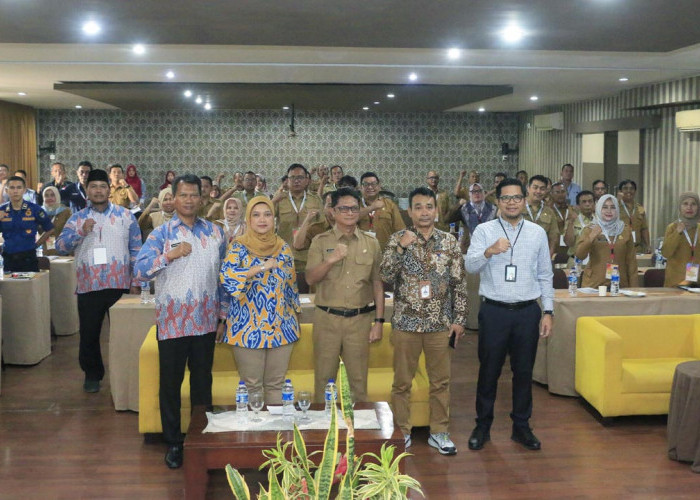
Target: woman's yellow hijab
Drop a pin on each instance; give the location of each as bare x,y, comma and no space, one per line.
260,245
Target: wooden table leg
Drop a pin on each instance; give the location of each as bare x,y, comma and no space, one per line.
196,474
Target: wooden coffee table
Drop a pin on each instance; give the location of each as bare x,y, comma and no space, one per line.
243,450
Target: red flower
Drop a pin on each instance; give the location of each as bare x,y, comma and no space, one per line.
341,469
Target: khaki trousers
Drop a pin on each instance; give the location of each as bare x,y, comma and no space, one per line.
264,370
336,336
438,355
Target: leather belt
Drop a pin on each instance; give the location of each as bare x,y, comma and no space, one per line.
348,313
512,306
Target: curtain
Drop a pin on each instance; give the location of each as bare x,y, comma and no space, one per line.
18,148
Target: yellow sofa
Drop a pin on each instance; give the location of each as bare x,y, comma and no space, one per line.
625,364
300,371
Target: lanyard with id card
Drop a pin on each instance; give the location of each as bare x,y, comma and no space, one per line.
511,270
692,267
99,253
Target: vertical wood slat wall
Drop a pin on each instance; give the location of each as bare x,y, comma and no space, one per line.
671,160
18,139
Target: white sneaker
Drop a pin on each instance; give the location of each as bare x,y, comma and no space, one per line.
407,440
441,441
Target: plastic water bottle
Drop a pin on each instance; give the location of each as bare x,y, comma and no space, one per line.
573,281
40,251
2,267
615,283
241,399
330,396
288,399
145,292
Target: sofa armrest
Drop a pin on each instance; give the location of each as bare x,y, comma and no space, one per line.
696,336
149,382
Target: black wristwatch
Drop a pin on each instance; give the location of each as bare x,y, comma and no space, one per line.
379,320
551,313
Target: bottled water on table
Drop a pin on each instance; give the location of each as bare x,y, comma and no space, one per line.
2,267
242,398
615,283
330,395
288,399
573,280
145,292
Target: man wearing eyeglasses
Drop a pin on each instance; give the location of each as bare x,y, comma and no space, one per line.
535,210
442,202
512,257
378,216
343,263
292,210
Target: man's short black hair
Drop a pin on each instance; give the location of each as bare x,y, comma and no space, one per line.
520,172
369,174
347,181
2,165
85,163
500,174
344,191
625,182
567,165
188,179
509,182
21,171
558,183
421,191
540,178
336,166
583,193
112,166
201,178
598,181
284,178
251,173
17,178
297,165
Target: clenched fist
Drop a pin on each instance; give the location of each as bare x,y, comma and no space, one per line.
88,225
595,232
501,245
182,250
408,238
377,204
340,252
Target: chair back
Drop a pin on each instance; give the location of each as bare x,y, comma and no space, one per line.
654,278
560,281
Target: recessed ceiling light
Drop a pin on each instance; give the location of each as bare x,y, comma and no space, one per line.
533,98
413,77
21,93
91,28
187,93
139,49
198,100
512,33
207,106
285,108
481,110
170,74
366,108
454,53
376,102
390,96
623,79
78,106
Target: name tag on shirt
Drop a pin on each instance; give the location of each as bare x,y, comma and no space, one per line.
691,271
561,241
99,255
609,270
426,291
634,237
511,273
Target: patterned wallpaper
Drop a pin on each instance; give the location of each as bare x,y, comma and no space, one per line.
401,148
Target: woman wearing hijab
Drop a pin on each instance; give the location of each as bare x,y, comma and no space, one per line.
169,176
59,215
262,323
133,180
233,222
608,242
151,217
680,242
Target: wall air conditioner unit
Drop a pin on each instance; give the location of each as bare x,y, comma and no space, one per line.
552,121
688,121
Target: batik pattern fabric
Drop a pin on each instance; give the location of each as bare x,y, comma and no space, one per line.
115,234
262,311
189,298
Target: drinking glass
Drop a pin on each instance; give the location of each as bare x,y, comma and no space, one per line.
304,400
256,401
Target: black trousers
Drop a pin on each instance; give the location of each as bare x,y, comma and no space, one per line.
501,332
92,307
198,352
21,262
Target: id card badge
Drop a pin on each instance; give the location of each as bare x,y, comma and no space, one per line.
609,270
561,241
691,271
511,273
425,290
634,237
99,255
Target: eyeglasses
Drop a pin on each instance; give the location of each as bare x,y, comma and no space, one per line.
517,198
477,191
296,177
345,209
370,184
434,178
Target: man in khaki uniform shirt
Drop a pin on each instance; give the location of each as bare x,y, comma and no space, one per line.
585,205
120,193
207,202
292,209
565,213
344,265
442,204
378,216
536,211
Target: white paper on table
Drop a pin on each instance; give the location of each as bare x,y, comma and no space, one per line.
61,259
588,290
229,421
275,410
632,293
691,289
305,300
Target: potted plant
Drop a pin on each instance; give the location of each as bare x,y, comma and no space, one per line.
346,476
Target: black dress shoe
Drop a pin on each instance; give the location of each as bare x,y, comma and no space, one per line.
173,458
478,437
525,437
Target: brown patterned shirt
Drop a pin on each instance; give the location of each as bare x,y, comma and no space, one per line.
437,260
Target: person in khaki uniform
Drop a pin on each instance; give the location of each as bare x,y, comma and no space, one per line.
120,192
607,241
585,206
536,211
309,230
565,214
634,215
292,209
206,202
680,243
378,216
343,263
443,202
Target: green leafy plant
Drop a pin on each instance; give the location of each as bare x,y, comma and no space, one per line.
348,476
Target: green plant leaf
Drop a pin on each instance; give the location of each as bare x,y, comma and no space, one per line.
326,469
300,445
345,393
276,492
237,483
